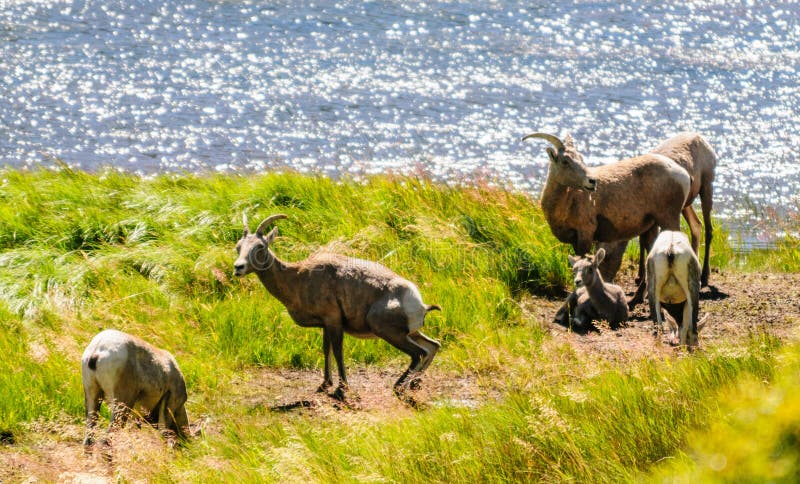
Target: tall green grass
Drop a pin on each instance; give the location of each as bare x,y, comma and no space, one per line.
82,252
758,440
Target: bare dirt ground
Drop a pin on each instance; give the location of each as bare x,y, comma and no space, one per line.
738,305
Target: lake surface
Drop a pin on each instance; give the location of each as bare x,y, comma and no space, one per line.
442,88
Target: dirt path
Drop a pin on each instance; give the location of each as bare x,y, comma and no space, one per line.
371,392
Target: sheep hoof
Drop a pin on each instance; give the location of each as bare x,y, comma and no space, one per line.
323,387
415,384
399,390
341,392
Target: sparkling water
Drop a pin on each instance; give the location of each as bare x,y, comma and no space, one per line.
447,89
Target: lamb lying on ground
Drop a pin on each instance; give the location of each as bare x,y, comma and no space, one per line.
593,298
132,375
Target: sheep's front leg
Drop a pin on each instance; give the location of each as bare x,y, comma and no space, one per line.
687,322
399,338
646,240
689,313
609,267
175,417
651,295
327,380
563,314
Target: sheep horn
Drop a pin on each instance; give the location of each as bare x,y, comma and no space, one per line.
263,226
246,227
549,137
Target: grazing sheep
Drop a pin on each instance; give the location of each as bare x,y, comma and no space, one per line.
695,155
342,295
596,299
673,279
612,203
131,375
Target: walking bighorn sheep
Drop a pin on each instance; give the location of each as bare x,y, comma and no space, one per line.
342,295
131,375
610,203
673,279
596,299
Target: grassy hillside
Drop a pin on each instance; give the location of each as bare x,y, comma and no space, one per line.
82,252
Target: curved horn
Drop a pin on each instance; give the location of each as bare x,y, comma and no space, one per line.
244,220
549,137
267,221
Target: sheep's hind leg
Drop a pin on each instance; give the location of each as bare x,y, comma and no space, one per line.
707,203
431,346
400,339
92,395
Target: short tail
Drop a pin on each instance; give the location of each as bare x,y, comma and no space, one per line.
432,307
93,362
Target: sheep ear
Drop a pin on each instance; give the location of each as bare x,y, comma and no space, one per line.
271,235
572,260
598,258
552,154
568,141
246,227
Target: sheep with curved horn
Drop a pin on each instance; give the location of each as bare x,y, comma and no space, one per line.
342,295
610,203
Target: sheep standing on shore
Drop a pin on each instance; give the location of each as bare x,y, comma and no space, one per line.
132,375
595,298
342,295
611,203
695,155
673,280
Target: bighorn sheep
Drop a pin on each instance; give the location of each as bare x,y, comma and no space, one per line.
342,295
131,375
596,299
610,203
673,279
695,155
